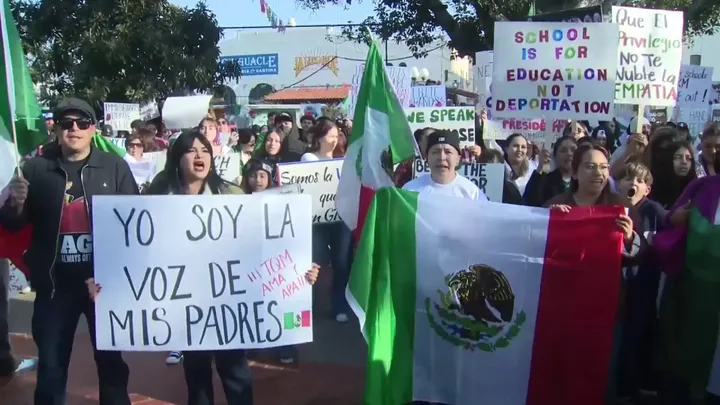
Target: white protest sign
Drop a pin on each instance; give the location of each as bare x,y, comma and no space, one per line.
537,130
120,115
649,55
428,96
489,177
119,142
400,77
554,70
715,97
695,86
18,281
318,179
286,189
483,76
143,170
185,112
695,118
203,272
455,119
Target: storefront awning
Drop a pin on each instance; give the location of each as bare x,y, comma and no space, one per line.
310,93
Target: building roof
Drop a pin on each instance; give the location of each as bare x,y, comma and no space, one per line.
310,93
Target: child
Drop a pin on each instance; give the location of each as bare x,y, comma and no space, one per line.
637,372
258,176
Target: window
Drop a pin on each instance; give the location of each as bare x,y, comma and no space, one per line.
695,60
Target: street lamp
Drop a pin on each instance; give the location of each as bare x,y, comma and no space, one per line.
420,76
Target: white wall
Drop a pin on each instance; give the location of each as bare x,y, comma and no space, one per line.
300,42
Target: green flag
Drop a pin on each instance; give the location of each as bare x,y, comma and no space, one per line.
106,145
19,109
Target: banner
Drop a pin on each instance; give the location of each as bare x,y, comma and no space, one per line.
120,115
695,86
428,96
205,272
650,54
554,70
318,179
537,130
489,177
455,119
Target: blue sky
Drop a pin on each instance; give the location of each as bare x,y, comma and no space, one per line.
232,13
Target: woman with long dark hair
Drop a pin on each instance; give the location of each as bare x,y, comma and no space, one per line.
543,186
324,137
673,168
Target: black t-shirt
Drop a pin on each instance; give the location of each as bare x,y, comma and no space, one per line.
74,250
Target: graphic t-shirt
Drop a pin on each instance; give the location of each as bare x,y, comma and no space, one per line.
75,241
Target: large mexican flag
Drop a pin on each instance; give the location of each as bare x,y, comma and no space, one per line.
381,138
518,308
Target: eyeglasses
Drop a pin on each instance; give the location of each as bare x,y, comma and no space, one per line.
135,145
68,123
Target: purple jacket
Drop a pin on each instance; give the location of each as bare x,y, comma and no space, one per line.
704,194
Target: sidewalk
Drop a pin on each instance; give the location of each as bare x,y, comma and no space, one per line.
154,383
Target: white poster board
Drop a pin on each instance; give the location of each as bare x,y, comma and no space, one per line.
318,179
185,112
455,119
400,77
120,115
649,55
489,177
428,96
227,165
18,281
538,131
482,77
554,70
202,272
695,86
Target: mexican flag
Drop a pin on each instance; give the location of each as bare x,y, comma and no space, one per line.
22,127
519,309
381,138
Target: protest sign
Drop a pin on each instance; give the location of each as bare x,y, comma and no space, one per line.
400,77
658,115
694,86
695,118
318,179
576,15
489,177
715,97
455,119
120,115
716,116
286,189
202,272
17,281
554,70
143,170
537,130
650,54
428,96
119,142
483,76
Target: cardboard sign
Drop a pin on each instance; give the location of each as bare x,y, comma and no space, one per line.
318,179
489,177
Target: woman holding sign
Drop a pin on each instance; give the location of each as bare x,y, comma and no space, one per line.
190,170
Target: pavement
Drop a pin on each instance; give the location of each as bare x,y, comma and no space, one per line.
329,371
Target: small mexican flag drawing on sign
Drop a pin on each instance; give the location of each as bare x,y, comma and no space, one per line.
297,320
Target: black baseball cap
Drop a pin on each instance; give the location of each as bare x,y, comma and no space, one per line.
74,104
444,136
283,117
682,125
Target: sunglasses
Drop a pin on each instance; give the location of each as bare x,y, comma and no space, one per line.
68,123
135,145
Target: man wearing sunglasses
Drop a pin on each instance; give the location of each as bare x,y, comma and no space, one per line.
54,196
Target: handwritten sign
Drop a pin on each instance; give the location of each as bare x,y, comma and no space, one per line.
483,75
202,272
400,77
428,96
650,53
554,70
658,115
460,120
318,179
286,189
226,165
695,118
716,116
715,97
18,281
120,115
489,177
538,131
695,86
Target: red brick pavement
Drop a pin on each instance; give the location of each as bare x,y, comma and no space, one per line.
154,383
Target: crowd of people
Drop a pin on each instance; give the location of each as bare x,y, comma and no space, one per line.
652,170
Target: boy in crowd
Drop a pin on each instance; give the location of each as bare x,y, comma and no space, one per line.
637,373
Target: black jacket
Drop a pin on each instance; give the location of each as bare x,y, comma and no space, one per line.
543,186
104,174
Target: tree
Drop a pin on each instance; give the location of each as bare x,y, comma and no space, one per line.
469,23
128,51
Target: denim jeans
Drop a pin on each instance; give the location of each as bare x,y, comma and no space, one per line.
233,370
54,323
332,246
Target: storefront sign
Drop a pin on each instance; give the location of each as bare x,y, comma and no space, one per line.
256,65
319,61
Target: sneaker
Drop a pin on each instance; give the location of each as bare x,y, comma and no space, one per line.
287,360
26,290
174,358
341,317
26,365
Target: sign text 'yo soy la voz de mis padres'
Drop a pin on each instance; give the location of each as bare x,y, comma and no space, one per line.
554,70
454,119
320,180
208,272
